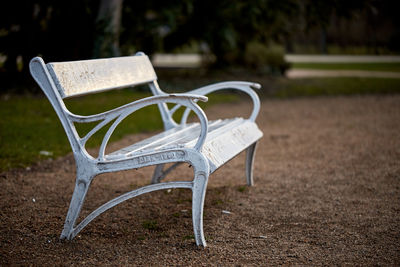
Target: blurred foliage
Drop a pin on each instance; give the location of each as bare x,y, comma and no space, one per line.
265,59
57,30
232,31
226,27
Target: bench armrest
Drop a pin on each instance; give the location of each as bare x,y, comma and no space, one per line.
120,113
246,87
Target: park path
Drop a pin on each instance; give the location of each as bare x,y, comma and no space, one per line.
194,60
310,73
341,59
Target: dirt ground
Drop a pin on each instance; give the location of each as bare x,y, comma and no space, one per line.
327,192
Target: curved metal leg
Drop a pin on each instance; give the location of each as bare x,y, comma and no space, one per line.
124,197
199,192
250,154
158,172
78,197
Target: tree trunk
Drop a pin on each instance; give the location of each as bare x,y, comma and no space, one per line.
322,41
108,25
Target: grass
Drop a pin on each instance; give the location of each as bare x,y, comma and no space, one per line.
150,225
30,130
242,188
284,88
340,50
392,67
29,125
218,202
188,237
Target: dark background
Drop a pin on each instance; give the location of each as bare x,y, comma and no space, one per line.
230,31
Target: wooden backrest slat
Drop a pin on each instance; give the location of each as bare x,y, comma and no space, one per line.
90,76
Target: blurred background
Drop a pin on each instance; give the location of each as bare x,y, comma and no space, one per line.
294,48
216,34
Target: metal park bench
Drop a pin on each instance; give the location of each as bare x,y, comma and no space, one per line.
205,145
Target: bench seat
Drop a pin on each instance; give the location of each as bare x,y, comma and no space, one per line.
225,139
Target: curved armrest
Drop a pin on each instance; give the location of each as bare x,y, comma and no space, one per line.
138,103
122,112
246,87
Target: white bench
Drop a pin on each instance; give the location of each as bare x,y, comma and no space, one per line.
206,145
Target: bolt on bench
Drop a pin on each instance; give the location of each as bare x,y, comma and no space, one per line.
205,145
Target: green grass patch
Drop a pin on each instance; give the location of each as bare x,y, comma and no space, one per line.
391,67
176,214
242,188
218,202
284,88
29,125
343,50
150,225
188,237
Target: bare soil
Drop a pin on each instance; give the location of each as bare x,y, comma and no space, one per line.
327,192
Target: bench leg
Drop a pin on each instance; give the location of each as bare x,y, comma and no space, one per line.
158,172
199,193
250,154
78,197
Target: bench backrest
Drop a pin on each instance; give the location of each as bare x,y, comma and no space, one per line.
65,79
91,76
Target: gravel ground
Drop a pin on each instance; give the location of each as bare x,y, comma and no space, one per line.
327,192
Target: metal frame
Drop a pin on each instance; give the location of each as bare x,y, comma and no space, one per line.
88,166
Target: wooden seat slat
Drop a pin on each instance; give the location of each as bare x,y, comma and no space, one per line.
90,76
218,133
